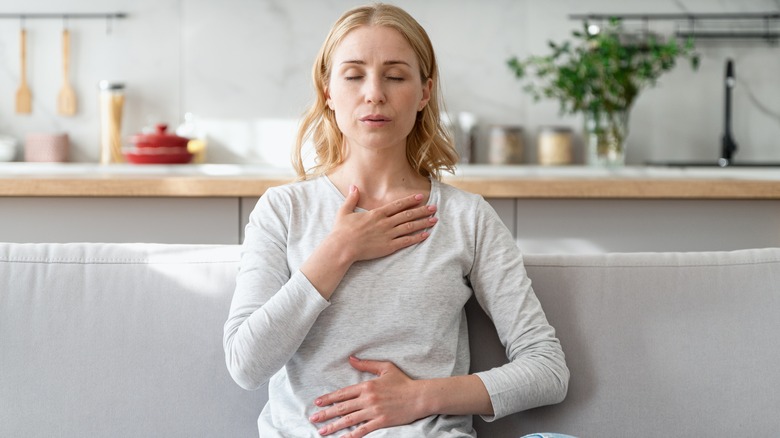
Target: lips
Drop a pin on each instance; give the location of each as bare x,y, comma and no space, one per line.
376,118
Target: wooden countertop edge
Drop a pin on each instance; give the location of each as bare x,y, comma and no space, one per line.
510,187
185,186
622,188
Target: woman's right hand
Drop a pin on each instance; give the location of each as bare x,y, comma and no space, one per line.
366,235
384,230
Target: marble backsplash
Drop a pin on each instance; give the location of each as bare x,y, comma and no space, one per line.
243,67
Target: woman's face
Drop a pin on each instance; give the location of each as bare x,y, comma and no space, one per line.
375,88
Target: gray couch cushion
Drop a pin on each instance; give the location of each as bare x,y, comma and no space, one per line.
659,345
118,340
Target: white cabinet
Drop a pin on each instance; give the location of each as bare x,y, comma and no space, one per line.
90,219
623,225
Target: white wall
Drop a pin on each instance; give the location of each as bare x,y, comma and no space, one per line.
239,63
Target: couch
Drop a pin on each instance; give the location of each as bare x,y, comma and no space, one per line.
125,340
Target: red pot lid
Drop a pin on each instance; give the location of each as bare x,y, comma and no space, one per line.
160,138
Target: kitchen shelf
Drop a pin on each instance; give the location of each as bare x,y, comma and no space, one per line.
64,15
706,26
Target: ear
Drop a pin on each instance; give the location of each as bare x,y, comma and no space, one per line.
426,91
327,98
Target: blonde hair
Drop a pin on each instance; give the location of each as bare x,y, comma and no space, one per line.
429,147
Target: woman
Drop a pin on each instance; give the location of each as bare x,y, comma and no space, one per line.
350,296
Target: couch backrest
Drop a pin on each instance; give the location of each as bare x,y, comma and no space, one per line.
125,340
658,344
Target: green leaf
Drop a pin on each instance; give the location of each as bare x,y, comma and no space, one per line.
599,71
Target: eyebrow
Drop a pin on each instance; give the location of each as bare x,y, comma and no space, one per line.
389,62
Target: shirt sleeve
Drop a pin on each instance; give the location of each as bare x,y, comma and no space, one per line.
272,309
536,374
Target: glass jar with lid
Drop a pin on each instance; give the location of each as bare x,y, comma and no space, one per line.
506,144
112,100
553,147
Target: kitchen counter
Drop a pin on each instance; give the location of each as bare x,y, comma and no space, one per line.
529,182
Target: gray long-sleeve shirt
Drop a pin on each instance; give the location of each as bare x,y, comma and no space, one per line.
407,308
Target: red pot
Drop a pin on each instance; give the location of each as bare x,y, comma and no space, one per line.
159,139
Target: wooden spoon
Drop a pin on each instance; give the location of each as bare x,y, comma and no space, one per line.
23,94
66,100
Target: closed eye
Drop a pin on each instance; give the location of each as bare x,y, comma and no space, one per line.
353,78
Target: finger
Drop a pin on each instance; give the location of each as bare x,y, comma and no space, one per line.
343,394
400,205
408,240
351,201
413,214
337,410
369,366
348,420
364,429
414,226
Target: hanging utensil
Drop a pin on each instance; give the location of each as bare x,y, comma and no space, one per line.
66,100
23,94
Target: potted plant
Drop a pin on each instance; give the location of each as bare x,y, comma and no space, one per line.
600,74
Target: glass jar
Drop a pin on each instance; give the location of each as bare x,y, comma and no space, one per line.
553,147
466,142
506,144
112,100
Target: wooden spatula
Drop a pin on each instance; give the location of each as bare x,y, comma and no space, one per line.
66,100
23,95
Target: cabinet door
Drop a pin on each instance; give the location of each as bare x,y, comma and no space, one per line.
155,220
623,225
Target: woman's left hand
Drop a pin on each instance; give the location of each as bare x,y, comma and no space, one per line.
389,400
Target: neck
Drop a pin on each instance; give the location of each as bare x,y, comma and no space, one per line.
379,179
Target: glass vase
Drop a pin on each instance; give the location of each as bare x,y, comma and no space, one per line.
605,138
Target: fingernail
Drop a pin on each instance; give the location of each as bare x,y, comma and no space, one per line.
418,197
313,418
433,220
353,358
318,402
352,188
431,208
322,431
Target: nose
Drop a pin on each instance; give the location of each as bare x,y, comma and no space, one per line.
374,91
